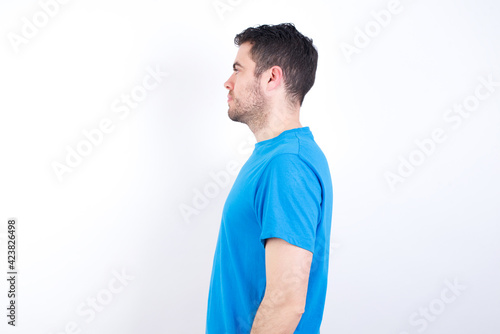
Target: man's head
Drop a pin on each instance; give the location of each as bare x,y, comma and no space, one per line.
274,64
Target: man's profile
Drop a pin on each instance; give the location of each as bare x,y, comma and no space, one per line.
270,266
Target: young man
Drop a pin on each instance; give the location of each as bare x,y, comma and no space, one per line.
270,267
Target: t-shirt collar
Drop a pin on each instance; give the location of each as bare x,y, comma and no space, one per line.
285,134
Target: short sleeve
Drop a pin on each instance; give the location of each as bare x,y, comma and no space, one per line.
288,201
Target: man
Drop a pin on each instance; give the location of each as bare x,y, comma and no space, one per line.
270,266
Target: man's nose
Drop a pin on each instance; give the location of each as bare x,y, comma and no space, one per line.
228,84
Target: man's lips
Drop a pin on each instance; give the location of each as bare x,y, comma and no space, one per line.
229,98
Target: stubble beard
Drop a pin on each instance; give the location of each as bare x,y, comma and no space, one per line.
252,111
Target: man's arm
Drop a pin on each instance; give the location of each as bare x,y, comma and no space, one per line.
287,277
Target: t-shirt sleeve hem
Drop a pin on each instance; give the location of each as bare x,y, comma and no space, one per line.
288,239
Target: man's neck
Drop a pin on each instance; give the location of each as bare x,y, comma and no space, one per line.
275,127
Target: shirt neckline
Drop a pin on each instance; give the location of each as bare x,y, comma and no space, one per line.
285,134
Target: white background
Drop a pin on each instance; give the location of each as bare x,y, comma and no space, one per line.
119,209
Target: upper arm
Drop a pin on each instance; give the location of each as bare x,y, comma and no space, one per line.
287,274
288,201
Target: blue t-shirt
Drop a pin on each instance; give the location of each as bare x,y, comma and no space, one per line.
284,190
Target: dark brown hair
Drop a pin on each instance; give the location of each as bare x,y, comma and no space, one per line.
282,45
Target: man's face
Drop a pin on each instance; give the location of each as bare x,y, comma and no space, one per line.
245,99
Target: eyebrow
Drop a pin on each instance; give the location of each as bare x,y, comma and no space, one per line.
236,64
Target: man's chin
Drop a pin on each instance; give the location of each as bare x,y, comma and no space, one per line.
233,116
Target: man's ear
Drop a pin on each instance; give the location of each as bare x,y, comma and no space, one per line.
274,77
